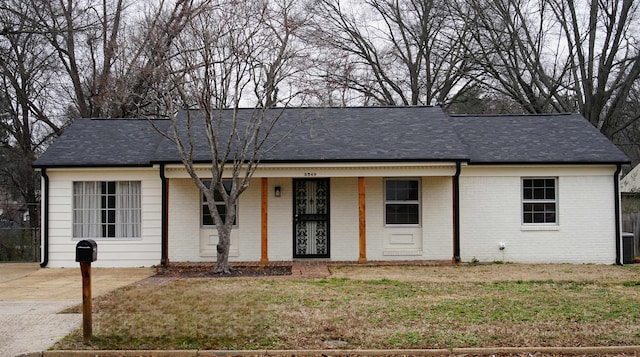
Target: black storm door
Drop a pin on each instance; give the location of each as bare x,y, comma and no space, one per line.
311,218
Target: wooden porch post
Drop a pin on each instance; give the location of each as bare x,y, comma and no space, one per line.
264,257
362,220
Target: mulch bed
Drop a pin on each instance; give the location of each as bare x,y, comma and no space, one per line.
206,271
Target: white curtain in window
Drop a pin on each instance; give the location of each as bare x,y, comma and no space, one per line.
86,209
128,207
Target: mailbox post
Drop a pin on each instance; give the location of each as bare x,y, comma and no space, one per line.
86,253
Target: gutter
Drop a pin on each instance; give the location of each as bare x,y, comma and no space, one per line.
45,219
545,163
616,189
164,223
456,214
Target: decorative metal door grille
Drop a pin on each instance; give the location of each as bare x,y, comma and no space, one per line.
311,218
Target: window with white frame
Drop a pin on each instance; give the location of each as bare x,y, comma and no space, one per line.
539,201
107,209
402,202
207,220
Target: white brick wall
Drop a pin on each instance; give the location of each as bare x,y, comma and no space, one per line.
491,211
433,240
280,228
345,225
189,241
437,218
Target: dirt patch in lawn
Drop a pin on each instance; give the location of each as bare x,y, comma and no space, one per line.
206,271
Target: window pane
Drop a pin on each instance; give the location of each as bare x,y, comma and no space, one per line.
538,217
106,209
539,212
550,217
528,217
538,193
402,190
402,214
550,193
111,230
550,208
217,197
207,220
528,193
111,201
539,200
538,189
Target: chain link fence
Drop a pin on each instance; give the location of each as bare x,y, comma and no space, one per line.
19,244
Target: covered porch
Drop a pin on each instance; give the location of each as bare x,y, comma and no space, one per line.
338,212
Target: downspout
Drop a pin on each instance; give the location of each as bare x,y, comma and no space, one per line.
164,223
45,220
616,189
456,214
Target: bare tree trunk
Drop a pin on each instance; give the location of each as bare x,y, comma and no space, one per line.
222,260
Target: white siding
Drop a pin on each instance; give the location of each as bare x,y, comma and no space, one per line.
184,220
111,252
491,213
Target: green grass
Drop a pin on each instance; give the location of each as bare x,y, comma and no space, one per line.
368,313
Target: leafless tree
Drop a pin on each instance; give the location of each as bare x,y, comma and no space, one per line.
604,57
63,59
400,52
555,56
144,53
517,53
25,85
105,55
218,66
283,58
629,138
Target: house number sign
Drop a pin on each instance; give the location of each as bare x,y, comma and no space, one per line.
310,174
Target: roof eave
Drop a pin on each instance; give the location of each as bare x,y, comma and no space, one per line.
511,163
93,166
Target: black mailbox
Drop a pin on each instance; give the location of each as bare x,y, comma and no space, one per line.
86,251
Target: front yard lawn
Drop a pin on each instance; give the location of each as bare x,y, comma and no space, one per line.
376,307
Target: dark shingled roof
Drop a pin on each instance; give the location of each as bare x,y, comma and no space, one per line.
349,134
545,138
361,134
104,142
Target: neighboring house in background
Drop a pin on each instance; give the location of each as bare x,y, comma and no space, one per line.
348,184
630,190
12,212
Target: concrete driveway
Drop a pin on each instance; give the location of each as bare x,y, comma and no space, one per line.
31,299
